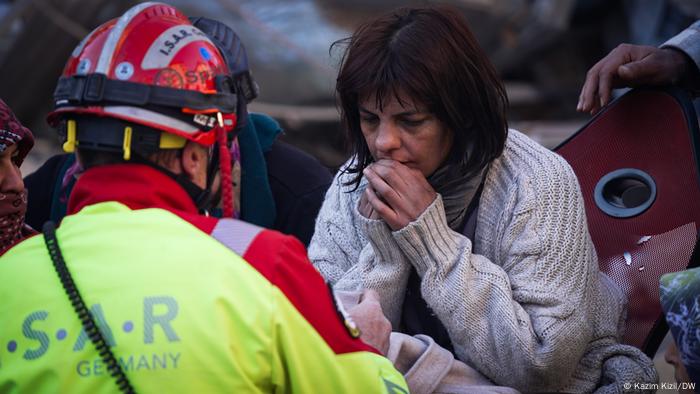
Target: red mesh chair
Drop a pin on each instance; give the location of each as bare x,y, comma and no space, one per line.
637,164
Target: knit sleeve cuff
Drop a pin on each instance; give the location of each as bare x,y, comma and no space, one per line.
379,236
428,242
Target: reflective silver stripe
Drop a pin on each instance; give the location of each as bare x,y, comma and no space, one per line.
80,46
115,34
159,54
237,235
137,113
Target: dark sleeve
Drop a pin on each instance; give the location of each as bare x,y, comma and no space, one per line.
299,183
40,186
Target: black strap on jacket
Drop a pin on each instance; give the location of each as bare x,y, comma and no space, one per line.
93,330
417,317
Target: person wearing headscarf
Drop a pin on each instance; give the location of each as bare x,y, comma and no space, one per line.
15,142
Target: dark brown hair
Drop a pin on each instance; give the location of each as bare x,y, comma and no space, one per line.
429,54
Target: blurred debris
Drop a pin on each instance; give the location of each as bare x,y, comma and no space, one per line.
37,52
542,49
61,20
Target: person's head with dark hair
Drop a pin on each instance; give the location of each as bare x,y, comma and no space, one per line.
427,63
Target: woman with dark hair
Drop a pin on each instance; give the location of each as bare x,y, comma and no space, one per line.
471,233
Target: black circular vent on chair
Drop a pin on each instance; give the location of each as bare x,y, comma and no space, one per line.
625,193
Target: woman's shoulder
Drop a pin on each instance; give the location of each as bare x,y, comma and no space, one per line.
530,175
342,195
525,161
339,213
344,179
523,151
530,180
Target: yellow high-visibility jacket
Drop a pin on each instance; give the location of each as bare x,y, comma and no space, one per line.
182,311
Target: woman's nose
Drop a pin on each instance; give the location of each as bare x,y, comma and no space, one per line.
388,138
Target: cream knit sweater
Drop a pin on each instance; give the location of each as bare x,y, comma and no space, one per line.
524,303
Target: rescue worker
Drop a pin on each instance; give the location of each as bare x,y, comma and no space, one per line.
277,186
147,101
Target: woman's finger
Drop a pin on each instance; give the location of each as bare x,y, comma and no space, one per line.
363,205
365,208
380,207
383,190
395,174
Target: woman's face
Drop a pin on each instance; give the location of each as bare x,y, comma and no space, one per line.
406,133
10,177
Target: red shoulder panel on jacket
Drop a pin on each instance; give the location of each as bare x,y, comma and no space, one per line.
283,261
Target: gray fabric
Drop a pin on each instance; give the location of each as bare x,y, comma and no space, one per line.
687,41
429,368
456,193
469,229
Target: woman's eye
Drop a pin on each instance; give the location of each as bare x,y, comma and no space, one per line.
368,119
413,122
15,158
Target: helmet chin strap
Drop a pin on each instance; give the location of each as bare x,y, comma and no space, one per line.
220,160
203,199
